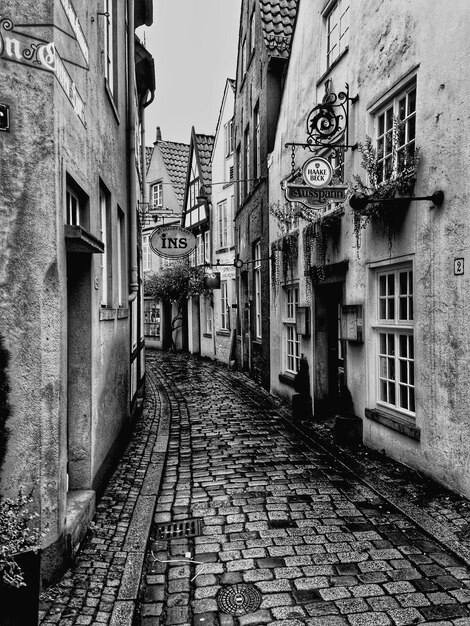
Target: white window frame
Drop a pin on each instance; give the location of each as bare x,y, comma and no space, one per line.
146,253
224,306
394,143
337,30
257,290
105,257
248,160
207,247
393,334
157,195
208,315
199,249
109,52
222,224
72,207
291,338
258,143
228,134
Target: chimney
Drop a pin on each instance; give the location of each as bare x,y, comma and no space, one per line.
159,134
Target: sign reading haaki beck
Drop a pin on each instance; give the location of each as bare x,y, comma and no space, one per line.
316,193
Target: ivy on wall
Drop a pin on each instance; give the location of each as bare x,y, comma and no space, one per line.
284,256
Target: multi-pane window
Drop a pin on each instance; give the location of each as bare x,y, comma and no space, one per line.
292,339
105,258
257,146
395,340
199,250
337,31
257,286
239,176
207,247
146,252
224,307
208,315
157,195
193,192
396,134
228,133
222,224
109,43
72,207
248,160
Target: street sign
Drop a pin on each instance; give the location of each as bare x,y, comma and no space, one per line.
172,242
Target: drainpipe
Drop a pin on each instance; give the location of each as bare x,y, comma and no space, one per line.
134,278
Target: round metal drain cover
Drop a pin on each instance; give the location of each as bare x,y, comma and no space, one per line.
238,599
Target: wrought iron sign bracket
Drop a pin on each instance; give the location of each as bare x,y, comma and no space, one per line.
328,122
359,201
238,263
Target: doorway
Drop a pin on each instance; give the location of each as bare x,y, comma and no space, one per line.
329,357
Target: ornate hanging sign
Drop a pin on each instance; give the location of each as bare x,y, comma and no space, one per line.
172,242
309,196
317,172
327,122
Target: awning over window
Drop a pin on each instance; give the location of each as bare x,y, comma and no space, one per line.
78,240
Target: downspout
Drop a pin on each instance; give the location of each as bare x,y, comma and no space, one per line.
134,277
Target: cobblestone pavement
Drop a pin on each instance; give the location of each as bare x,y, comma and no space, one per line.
288,534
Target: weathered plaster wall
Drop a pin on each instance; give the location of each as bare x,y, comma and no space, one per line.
46,142
387,41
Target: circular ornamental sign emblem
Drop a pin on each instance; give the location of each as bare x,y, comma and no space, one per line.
317,172
172,242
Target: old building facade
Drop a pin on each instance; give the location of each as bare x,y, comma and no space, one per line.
222,232
165,181
384,283
70,296
263,50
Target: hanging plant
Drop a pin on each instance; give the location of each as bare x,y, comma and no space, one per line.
287,249
400,182
315,240
275,269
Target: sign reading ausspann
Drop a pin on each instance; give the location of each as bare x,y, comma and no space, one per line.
172,242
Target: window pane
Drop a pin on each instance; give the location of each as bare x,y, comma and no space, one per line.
391,393
403,397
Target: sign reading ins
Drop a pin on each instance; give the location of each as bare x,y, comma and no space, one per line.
317,172
172,242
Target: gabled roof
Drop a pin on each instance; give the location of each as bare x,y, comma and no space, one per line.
278,20
175,156
204,145
148,156
229,84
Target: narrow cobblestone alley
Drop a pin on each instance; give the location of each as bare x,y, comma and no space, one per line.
248,525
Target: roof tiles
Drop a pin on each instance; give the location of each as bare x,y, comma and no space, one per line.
205,145
175,156
278,18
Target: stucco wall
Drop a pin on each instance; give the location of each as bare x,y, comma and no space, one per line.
48,141
388,40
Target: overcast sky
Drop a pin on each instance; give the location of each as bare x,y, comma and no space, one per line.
194,45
